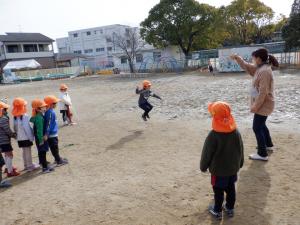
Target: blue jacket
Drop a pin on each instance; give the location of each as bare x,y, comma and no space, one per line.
51,125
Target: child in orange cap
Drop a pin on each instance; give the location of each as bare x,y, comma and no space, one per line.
223,155
24,132
38,109
51,129
145,93
65,105
5,140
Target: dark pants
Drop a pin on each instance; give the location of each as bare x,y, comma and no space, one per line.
262,134
53,145
64,115
219,197
147,107
43,159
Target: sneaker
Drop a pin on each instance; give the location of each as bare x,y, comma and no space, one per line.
33,167
229,212
5,184
148,116
6,171
144,117
73,123
217,215
62,162
255,156
270,149
48,170
14,173
66,123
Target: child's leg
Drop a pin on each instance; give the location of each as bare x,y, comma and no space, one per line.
219,198
53,144
8,161
148,109
230,196
2,163
43,159
28,157
25,162
64,116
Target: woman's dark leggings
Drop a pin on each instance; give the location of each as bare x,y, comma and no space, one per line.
262,134
147,107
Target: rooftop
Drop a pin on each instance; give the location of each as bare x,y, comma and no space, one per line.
25,37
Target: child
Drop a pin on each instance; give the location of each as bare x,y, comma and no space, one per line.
3,184
24,132
51,129
5,140
145,93
223,155
38,108
65,105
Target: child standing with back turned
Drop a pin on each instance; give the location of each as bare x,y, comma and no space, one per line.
223,155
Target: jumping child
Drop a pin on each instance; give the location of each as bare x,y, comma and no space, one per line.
25,136
5,140
145,93
65,105
223,155
38,109
51,129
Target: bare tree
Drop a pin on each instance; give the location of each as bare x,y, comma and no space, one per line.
129,43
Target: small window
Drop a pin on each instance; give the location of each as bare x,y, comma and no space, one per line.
77,52
95,32
108,39
88,51
109,49
88,33
30,48
123,60
139,58
75,35
101,31
156,56
100,49
13,48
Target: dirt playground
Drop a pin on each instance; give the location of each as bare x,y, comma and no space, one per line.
128,172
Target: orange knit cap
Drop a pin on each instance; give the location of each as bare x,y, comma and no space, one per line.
37,103
51,99
146,83
222,121
19,107
3,106
63,87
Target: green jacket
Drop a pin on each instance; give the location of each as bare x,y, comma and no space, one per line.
223,153
38,127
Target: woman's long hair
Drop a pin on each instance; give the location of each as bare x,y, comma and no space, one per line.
265,57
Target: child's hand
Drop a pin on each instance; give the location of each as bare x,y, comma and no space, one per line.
14,135
45,138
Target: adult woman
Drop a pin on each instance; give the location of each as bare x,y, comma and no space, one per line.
262,97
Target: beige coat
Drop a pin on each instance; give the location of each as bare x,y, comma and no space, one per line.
262,92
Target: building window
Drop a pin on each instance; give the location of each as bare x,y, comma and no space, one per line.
77,52
109,49
88,51
95,32
100,49
108,39
88,33
139,58
75,35
128,42
30,48
123,60
101,31
13,48
43,48
156,56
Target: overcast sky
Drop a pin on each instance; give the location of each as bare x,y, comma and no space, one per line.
55,18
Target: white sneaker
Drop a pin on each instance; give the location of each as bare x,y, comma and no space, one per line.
33,167
255,156
270,149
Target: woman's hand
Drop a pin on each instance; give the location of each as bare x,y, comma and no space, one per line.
234,56
254,109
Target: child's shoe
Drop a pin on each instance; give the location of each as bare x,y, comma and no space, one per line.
217,215
62,162
48,170
6,171
33,167
5,184
229,212
14,173
256,156
144,117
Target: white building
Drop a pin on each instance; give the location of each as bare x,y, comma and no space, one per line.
99,44
22,46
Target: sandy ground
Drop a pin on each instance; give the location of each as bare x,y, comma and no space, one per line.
125,171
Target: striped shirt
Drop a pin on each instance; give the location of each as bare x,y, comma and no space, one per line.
5,132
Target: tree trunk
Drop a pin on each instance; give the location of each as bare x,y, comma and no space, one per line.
131,66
